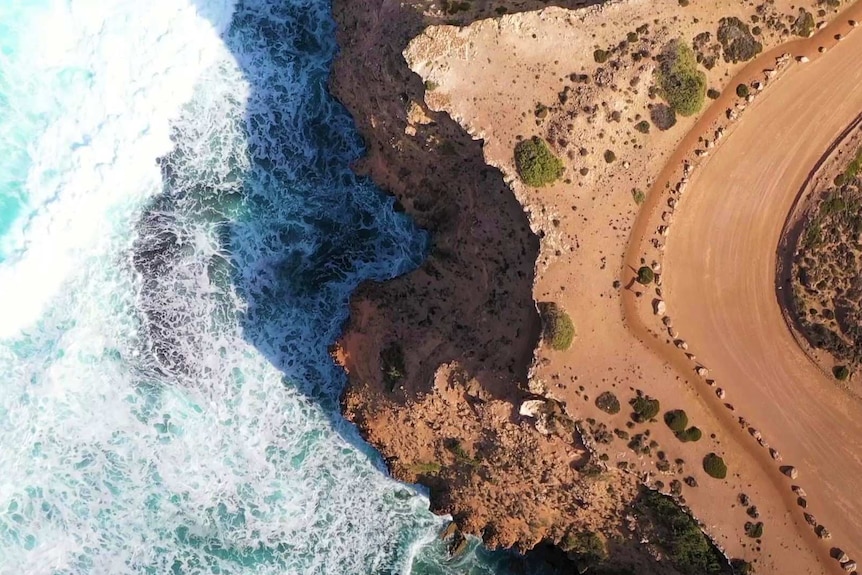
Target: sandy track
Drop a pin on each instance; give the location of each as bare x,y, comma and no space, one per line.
720,273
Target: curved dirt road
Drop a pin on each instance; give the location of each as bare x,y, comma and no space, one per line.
719,283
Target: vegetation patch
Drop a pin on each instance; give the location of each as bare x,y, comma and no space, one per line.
392,365
638,196
642,127
754,530
841,372
536,164
644,408
586,547
676,419
688,550
601,56
557,327
608,402
645,275
804,23
737,41
428,468
715,466
681,84
826,299
742,90
690,434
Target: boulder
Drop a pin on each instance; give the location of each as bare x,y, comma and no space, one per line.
667,321
702,371
822,532
849,566
672,333
533,408
841,556
810,519
720,393
790,472
799,491
802,59
774,454
681,344
659,307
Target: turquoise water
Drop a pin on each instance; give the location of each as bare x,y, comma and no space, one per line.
179,236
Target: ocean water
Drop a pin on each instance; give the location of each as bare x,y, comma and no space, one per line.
179,236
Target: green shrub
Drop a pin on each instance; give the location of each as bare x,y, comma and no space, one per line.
713,94
677,420
429,468
642,127
686,547
587,547
804,23
645,408
632,37
608,402
600,56
738,44
841,372
430,86
392,365
715,466
638,196
680,82
535,162
610,156
743,91
645,275
754,530
690,434
557,327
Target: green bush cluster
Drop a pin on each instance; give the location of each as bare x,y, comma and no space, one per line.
742,90
608,402
536,164
601,56
691,434
804,23
754,530
586,547
713,94
557,327
676,419
642,127
687,548
645,408
680,82
737,41
715,466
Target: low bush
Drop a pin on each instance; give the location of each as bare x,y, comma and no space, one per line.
841,372
804,23
610,156
743,91
557,327
392,365
677,420
642,127
681,83
754,530
713,94
600,56
737,41
536,164
638,196
608,402
690,434
586,547
663,117
715,466
645,408
645,275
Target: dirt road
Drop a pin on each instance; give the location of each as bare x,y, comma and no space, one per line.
720,281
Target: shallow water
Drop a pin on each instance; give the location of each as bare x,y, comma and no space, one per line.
179,236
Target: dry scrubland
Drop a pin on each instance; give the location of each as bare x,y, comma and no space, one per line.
580,111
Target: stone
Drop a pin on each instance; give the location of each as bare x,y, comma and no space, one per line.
791,472
532,408
774,454
799,491
702,371
849,566
802,59
659,307
720,393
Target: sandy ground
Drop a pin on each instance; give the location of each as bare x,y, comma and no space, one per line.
489,77
720,281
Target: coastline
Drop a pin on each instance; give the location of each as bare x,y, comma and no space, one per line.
353,347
